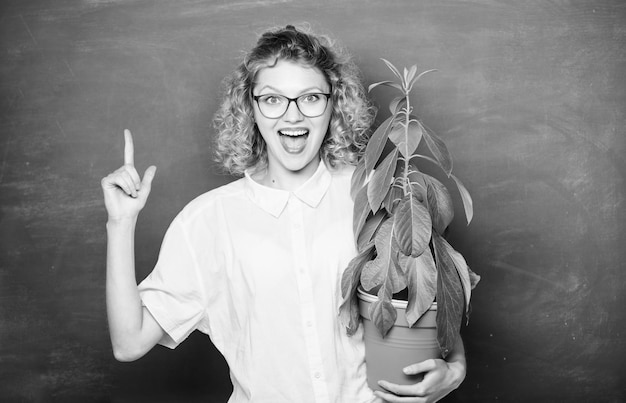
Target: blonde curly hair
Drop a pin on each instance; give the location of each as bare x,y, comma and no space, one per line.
239,145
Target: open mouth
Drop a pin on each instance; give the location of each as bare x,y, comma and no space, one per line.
293,140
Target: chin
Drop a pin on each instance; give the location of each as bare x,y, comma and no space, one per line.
297,166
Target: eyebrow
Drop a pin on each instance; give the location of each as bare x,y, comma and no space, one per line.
304,91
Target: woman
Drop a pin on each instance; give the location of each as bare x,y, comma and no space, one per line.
256,264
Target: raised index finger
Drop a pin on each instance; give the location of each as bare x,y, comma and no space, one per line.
129,149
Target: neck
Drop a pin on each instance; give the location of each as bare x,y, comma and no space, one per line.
283,179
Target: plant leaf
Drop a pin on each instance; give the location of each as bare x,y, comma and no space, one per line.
376,144
349,308
381,271
439,150
387,83
358,178
468,204
392,68
396,104
421,279
411,75
418,185
382,312
381,180
424,73
369,229
439,203
360,212
426,157
351,275
374,85
474,278
394,196
412,227
397,136
406,140
462,270
416,133
414,80
450,298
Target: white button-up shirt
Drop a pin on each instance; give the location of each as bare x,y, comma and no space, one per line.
259,271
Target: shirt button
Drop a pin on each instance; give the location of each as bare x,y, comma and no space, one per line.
309,323
318,375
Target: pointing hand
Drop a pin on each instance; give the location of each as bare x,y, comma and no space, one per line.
125,193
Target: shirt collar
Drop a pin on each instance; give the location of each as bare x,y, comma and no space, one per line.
274,200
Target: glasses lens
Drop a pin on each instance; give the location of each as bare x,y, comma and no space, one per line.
312,105
275,106
272,106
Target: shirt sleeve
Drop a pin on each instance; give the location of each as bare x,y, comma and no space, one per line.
173,292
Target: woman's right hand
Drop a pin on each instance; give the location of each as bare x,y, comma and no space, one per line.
125,193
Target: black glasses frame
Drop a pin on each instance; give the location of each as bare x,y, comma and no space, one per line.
295,100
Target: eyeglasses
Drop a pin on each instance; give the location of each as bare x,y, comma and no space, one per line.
274,106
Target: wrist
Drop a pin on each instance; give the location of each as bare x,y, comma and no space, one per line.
458,369
121,222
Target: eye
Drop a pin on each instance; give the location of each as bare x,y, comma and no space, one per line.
310,98
271,99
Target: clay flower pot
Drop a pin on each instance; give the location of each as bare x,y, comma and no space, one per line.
402,346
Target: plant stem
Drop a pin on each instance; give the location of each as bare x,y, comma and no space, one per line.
407,158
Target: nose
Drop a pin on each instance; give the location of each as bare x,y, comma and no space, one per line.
293,114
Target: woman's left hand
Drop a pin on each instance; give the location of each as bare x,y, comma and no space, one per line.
440,378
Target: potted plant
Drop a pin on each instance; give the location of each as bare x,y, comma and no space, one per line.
400,216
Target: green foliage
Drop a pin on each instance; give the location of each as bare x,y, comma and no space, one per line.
400,215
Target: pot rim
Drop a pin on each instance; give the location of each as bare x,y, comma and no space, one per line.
397,303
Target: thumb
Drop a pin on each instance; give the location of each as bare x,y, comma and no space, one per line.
148,176
424,366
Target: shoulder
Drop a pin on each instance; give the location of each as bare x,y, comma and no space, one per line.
341,171
211,200
341,179
341,175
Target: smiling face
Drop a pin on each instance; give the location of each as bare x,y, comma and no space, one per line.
293,140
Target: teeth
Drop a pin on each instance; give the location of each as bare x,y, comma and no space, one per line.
293,133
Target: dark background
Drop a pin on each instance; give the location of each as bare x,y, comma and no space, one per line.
530,97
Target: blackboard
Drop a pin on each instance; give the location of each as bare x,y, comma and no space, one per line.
529,95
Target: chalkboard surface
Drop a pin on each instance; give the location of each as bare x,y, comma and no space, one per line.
530,97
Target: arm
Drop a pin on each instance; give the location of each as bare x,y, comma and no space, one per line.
440,378
133,330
